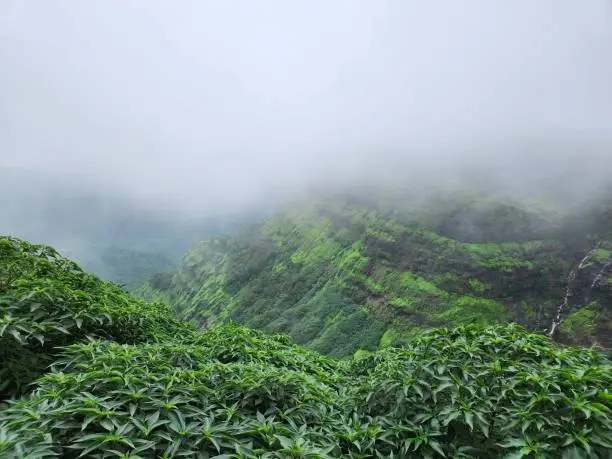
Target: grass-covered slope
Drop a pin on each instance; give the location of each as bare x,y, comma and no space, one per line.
126,380
340,277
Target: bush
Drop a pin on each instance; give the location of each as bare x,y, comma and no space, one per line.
234,392
47,301
117,377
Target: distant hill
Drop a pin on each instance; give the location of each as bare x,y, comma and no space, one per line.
360,272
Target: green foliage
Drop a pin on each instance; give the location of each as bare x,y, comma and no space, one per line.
280,267
478,286
232,392
582,322
358,330
388,338
474,392
469,310
306,270
121,378
602,255
352,260
415,285
47,301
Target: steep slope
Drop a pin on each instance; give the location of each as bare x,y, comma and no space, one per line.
340,276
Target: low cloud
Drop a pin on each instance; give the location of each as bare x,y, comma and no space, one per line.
200,107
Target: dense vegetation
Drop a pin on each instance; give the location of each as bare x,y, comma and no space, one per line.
344,275
47,302
126,380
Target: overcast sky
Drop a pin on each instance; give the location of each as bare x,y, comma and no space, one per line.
202,100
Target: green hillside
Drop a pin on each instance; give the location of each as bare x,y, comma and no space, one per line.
346,274
89,371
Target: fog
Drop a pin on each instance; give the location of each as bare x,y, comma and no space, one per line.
201,107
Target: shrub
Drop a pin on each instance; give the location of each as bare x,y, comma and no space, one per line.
118,377
47,301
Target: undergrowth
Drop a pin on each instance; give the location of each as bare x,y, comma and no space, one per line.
117,377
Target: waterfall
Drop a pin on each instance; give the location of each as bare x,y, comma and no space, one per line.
569,291
597,279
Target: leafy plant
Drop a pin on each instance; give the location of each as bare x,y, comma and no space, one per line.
47,301
129,381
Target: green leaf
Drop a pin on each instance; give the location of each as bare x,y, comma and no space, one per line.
436,446
469,419
512,443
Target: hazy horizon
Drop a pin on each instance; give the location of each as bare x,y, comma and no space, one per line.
198,109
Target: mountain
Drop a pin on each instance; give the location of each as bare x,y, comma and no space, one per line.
90,371
359,272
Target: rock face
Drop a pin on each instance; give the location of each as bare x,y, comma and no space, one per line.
340,276
584,315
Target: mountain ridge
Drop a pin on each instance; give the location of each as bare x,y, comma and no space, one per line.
341,276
